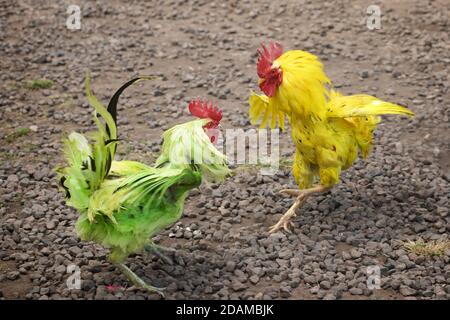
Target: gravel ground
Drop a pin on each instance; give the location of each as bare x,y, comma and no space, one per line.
204,48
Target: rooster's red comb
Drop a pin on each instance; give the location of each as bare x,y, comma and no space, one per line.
205,110
267,55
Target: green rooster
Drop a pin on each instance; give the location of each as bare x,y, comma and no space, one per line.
123,204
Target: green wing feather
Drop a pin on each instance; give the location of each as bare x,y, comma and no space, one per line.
136,207
126,168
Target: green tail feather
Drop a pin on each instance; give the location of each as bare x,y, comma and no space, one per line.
89,163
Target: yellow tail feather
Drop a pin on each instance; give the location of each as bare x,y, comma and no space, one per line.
361,106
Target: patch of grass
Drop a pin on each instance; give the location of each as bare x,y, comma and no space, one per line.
3,267
124,149
19,132
38,84
7,156
28,147
284,163
68,103
431,248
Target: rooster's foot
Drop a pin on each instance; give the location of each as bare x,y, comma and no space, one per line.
302,195
138,282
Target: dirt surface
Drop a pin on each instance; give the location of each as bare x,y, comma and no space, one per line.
208,48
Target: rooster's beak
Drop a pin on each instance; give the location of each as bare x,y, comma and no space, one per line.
261,81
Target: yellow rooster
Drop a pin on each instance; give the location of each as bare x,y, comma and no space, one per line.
328,128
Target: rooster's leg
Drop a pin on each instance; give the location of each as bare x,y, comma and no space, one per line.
158,250
138,282
162,248
301,195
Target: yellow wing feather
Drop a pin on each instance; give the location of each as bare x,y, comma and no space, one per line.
261,108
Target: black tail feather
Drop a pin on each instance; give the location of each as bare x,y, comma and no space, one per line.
112,106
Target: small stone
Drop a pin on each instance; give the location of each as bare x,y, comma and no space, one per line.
187,77
75,250
442,211
314,290
329,296
346,255
315,230
87,285
285,292
254,279
13,275
237,286
172,287
356,291
50,225
364,74
218,235
230,266
60,269
381,223
355,253
257,271
407,291
325,285
439,292
259,296
13,178
21,256
310,279
44,291
38,211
